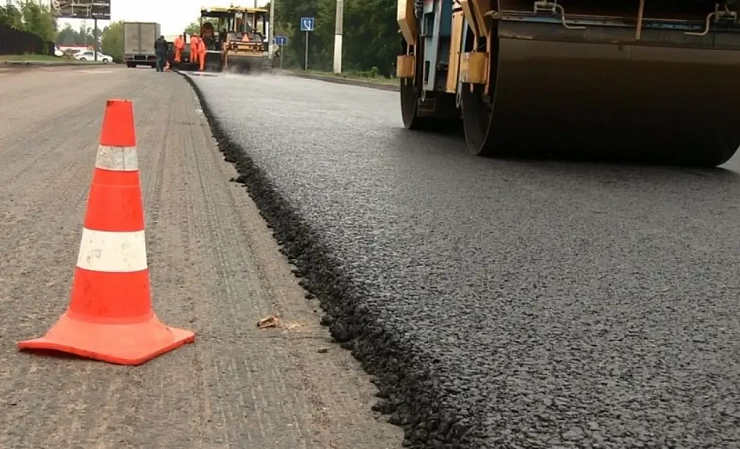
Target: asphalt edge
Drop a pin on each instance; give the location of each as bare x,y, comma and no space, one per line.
345,81
406,386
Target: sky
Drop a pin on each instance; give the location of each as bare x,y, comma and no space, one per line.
173,15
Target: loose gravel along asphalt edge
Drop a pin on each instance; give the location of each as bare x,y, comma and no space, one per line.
406,386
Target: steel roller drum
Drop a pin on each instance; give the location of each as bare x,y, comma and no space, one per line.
668,97
244,64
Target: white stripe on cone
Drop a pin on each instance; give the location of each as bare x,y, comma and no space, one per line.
117,158
112,252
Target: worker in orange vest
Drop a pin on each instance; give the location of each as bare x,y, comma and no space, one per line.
179,45
194,47
202,54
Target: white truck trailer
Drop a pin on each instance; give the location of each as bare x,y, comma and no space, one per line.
138,43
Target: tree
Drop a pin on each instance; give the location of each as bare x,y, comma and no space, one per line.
194,27
370,39
11,16
39,20
113,41
32,17
70,36
370,43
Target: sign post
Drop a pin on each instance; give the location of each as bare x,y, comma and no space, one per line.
281,41
338,31
95,37
307,25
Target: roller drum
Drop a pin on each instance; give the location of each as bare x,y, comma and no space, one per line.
555,95
243,64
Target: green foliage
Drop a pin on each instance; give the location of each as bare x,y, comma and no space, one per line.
193,28
38,19
370,35
32,17
113,41
11,16
70,36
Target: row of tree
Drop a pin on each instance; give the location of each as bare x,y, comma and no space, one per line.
70,36
31,17
37,18
370,34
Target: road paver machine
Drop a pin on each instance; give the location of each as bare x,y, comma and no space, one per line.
236,39
645,78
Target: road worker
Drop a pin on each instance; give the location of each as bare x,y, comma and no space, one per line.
160,49
194,46
207,33
201,50
179,45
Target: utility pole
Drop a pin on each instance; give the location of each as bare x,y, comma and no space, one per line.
338,37
85,30
271,33
95,39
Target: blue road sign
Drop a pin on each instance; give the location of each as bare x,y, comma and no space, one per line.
307,23
281,40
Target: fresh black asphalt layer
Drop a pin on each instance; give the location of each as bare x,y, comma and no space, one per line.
500,304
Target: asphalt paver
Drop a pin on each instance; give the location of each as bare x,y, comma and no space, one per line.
215,269
500,303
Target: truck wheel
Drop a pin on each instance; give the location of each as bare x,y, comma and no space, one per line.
130,65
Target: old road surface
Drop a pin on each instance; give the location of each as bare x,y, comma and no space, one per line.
500,304
215,269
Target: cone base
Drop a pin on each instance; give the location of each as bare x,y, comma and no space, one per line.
122,344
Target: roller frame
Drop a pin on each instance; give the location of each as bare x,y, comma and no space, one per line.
574,83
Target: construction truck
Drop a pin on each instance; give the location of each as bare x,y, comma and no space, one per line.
646,78
236,39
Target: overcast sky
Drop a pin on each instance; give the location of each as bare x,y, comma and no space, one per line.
173,15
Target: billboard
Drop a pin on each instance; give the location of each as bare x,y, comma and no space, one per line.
81,9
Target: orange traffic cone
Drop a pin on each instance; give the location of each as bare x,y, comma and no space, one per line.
110,316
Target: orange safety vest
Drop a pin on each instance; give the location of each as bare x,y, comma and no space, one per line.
179,43
195,44
201,45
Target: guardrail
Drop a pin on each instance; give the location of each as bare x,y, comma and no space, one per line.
17,42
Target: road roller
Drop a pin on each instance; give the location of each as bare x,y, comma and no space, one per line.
647,79
236,39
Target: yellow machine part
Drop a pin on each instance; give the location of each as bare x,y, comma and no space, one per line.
556,87
407,20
